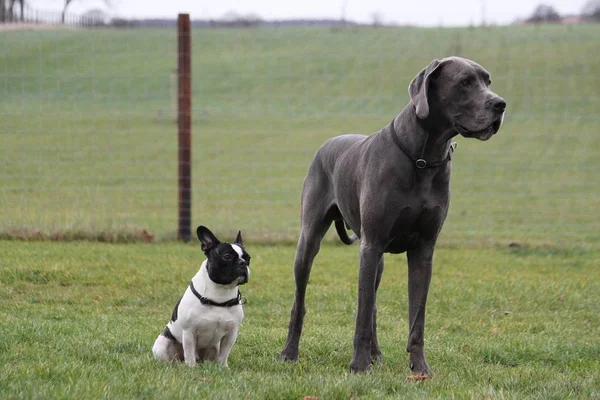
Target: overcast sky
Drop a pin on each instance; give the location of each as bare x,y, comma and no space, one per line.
415,12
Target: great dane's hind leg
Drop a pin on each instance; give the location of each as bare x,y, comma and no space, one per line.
308,247
420,264
370,257
375,351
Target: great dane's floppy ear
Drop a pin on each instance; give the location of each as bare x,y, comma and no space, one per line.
207,239
418,88
238,239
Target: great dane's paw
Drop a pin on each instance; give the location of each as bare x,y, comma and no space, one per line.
289,355
377,357
420,367
362,364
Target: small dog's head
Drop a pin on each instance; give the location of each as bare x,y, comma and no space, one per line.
226,263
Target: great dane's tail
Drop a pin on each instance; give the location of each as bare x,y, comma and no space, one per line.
343,234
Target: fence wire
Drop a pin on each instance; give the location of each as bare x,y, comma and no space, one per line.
88,130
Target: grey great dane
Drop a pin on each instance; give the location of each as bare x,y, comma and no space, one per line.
392,189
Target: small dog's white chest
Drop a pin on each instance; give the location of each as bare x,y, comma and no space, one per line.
210,329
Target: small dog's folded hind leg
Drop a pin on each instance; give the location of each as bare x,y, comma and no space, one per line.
167,350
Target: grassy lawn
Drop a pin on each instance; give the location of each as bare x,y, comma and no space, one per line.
79,320
88,142
88,147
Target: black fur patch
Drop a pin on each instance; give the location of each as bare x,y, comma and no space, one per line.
175,311
167,333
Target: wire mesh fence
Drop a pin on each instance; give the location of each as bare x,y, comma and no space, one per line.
19,14
88,130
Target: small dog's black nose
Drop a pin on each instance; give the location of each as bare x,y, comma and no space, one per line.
499,105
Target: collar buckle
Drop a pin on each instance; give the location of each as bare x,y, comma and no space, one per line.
421,163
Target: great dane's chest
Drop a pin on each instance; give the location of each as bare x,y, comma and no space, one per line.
412,224
408,214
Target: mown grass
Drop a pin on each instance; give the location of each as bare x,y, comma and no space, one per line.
88,141
79,320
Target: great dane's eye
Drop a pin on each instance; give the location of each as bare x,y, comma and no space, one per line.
465,82
489,82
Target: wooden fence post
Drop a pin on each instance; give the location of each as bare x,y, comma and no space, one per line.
184,127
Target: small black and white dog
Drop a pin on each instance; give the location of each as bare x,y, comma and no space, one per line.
205,321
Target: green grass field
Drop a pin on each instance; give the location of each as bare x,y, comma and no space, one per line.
79,320
88,149
89,145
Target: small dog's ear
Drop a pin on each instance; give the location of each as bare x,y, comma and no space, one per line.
238,239
207,239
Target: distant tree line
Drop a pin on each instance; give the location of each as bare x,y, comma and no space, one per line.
545,13
8,12
17,11
591,9
20,11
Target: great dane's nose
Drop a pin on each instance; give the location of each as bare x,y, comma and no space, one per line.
498,105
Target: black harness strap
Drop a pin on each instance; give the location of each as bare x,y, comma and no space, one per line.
208,302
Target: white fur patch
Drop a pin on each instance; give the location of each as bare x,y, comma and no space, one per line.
238,250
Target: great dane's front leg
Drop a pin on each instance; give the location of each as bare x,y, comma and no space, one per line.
370,257
375,351
420,264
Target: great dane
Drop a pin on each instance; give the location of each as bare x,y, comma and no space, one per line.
392,189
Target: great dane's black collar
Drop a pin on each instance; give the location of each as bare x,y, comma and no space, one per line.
208,302
420,163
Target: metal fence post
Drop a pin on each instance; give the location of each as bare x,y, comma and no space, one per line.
184,127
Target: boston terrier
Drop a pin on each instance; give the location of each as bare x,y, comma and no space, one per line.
205,322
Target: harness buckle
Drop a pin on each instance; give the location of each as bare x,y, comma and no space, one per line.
420,163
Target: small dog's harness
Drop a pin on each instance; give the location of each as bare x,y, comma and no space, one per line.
239,300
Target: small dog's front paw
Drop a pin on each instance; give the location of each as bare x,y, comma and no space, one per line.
190,363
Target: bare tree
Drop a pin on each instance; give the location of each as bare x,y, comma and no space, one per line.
108,3
2,11
7,13
591,10
11,6
376,19
544,13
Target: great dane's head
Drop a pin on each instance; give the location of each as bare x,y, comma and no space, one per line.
456,91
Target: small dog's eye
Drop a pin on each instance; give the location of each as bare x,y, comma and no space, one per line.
227,257
465,82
